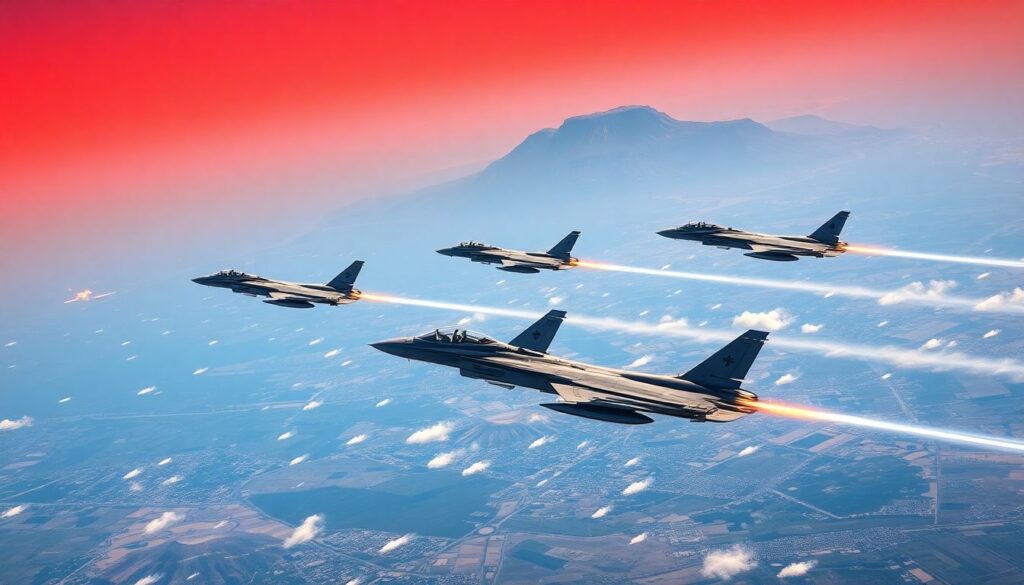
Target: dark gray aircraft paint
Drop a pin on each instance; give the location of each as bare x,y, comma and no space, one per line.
824,242
295,295
708,392
557,258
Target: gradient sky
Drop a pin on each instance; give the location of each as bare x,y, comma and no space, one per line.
126,121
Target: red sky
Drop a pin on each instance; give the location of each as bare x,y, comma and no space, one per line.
116,114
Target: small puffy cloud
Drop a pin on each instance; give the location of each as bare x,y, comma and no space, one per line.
632,462
638,538
171,480
601,512
12,512
298,460
355,581
442,460
716,306
810,328
396,543
357,439
146,390
163,521
886,376
640,362
286,435
312,404
952,343
213,342
316,341
932,343
934,289
582,445
774,320
165,461
431,434
133,473
786,378
64,400
18,423
332,353
535,417
637,486
727,563
150,579
554,301
992,333
539,442
310,528
748,450
796,569
476,468
135,487
983,275
200,371
383,403
998,301
882,323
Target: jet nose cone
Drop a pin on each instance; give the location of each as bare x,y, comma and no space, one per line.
392,346
200,280
445,251
671,232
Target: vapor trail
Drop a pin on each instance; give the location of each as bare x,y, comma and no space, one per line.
933,360
800,412
979,260
885,297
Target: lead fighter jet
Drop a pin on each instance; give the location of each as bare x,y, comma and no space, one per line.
557,258
824,242
708,392
295,295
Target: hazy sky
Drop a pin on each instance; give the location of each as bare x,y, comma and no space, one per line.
126,120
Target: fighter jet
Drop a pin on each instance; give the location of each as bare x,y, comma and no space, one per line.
339,291
556,258
708,392
824,242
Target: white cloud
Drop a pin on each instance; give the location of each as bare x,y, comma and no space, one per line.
637,486
332,353
12,512
992,333
1015,298
916,290
640,362
213,342
133,473
582,445
443,459
286,435
632,462
883,323
64,400
886,376
135,487
601,512
396,543
774,320
983,275
539,442
13,425
727,563
357,439
431,434
150,579
310,528
786,378
165,461
716,306
298,460
146,390
355,581
952,343
316,341
555,301
810,328
165,520
638,538
748,450
192,576
171,480
796,569
476,468
382,403
932,343
200,371
312,404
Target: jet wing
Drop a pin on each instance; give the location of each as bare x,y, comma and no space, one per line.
575,394
280,296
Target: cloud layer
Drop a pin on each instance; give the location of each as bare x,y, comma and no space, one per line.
18,423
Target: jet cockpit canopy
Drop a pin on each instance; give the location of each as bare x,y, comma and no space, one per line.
455,335
234,273
702,225
472,244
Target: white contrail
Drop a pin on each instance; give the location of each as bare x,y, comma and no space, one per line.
934,360
979,260
793,411
924,296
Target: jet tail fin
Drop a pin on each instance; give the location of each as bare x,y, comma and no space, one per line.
829,231
563,248
538,336
727,367
347,278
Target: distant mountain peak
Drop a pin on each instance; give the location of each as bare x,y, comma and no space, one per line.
814,125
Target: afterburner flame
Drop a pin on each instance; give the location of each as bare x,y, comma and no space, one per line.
85,295
979,260
804,413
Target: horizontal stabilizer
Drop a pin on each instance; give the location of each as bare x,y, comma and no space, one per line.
347,279
538,336
729,365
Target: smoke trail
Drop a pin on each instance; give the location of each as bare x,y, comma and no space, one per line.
941,361
979,260
932,296
800,412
